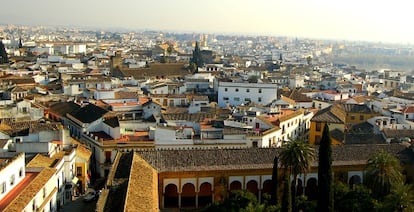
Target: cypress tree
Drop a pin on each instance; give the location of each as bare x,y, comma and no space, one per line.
3,53
287,193
273,192
325,194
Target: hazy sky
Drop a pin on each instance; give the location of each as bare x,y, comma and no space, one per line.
387,21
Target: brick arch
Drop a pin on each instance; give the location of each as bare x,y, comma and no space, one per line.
355,180
299,188
171,196
205,194
311,190
235,185
252,186
267,186
188,195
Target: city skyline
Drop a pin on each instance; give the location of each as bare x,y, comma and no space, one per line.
320,19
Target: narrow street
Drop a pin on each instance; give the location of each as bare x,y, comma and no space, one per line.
78,204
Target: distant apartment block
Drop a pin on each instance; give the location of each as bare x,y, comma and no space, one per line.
232,93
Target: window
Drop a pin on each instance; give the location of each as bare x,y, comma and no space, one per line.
237,90
3,187
225,89
247,99
20,172
236,99
247,90
352,117
259,99
318,126
108,156
79,171
260,90
44,192
226,98
361,117
406,116
12,178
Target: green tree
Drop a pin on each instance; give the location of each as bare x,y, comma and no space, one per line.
303,204
253,79
275,182
325,194
170,49
287,193
309,60
358,198
3,53
297,157
401,198
383,170
241,200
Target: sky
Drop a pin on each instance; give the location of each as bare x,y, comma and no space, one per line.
360,20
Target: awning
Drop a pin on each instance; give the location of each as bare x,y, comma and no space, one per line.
75,180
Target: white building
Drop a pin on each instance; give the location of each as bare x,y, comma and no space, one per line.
173,137
230,93
31,189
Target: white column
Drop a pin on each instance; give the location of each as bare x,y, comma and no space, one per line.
179,200
196,200
162,201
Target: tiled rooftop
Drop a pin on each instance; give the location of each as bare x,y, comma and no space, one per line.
329,115
166,70
196,117
88,113
355,108
248,158
16,191
141,188
16,127
28,192
62,108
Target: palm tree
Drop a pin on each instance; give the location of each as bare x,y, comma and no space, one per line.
296,157
383,171
401,198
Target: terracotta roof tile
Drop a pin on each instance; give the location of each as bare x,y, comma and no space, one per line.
250,158
155,69
408,109
142,187
29,192
89,113
195,117
331,114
